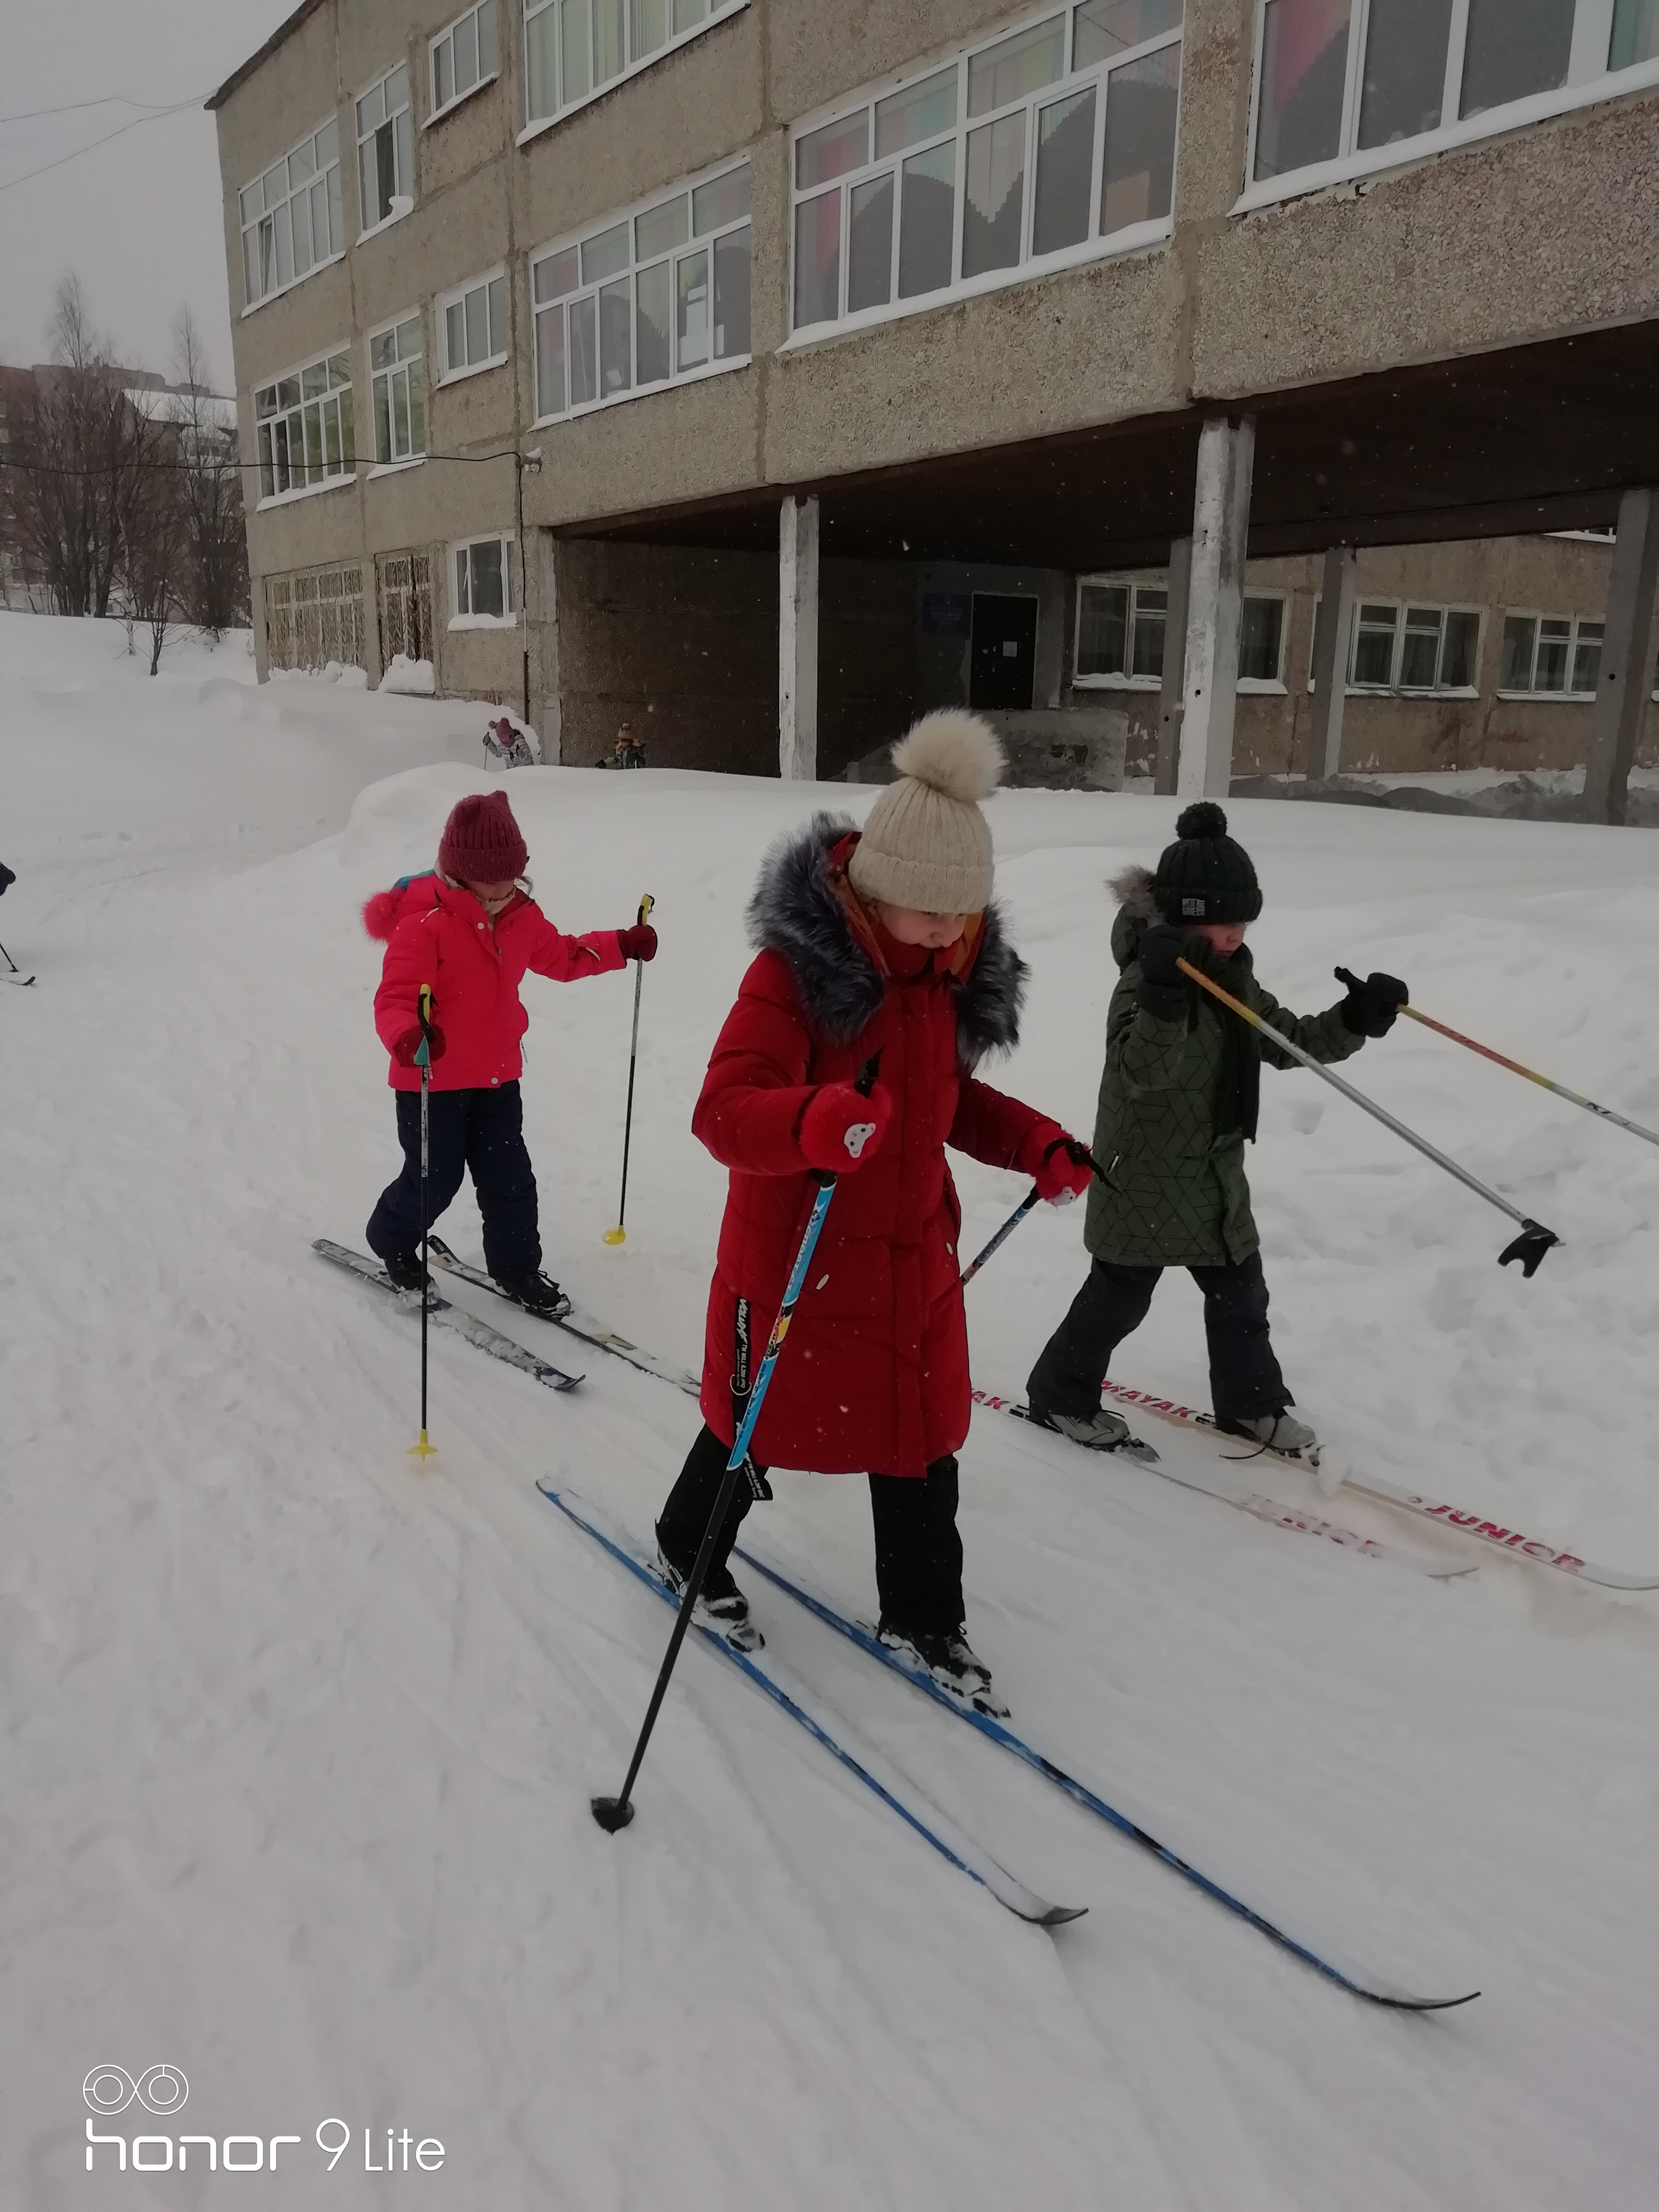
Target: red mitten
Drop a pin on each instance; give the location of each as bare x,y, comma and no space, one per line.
841,1127
409,1043
637,942
1064,1170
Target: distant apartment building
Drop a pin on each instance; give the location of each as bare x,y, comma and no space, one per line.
763,372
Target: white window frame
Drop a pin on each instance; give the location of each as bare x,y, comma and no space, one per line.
1567,695
718,11
1589,80
345,414
457,295
1393,689
1098,247
437,109
694,241
273,211
465,619
1117,680
398,369
1268,687
402,148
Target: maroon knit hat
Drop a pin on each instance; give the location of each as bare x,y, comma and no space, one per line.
481,842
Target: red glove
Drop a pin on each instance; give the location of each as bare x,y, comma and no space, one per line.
1065,1171
638,942
409,1044
841,1127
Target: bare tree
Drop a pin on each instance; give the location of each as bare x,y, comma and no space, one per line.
214,578
155,551
77,448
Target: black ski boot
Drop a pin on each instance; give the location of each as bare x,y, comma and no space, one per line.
538,1294
403,1269
949,1659
720,1604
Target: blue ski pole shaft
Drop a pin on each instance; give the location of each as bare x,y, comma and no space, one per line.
1033,1197
614,1813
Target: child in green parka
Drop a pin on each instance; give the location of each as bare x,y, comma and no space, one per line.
1178,1103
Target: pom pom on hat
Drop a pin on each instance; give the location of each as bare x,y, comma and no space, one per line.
925,845
954,752
1204,818
1205,875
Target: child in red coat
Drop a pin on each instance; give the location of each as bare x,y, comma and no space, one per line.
470,931
882,943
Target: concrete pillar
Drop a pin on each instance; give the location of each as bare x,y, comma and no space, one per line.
1627,670
1330,662
797,640
1175,668
1221,518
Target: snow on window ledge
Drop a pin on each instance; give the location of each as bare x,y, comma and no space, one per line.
397,468
402,204
414,679
282,291
483,622
306,491
472,368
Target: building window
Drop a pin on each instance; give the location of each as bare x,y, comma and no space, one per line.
1262,642
314,618
385,163
1557,655
1345,80
400,390
575,49
1409,649
473,320
483,583
463,57
1057,139
291,216
1119,634
653,298
304,428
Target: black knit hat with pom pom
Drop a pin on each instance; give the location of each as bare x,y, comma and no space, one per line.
1204,876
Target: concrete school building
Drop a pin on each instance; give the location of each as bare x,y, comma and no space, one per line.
763,372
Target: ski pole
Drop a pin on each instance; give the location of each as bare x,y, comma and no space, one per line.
618,1235
424,1451
1605,1112
1032,1198
614,1813
10,962
1528,1247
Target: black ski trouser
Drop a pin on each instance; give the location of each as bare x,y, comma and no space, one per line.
481,1131
1244,1374
918,1549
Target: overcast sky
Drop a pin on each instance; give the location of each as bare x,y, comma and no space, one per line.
138,219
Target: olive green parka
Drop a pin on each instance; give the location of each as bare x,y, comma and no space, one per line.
1174,1192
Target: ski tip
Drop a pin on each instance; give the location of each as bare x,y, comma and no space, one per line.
1058,1914
1397,2001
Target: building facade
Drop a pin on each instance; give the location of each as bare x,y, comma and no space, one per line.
763,371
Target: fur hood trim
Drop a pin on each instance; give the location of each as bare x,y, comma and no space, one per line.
1133,888
797,913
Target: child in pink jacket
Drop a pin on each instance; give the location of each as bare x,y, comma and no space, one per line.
470,931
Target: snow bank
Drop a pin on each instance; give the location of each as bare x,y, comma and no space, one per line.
296,1743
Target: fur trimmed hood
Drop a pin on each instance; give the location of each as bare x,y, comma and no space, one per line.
797,913
1137,910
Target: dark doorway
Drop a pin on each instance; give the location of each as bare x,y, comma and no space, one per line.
1002,668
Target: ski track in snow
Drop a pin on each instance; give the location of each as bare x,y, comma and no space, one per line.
296,1742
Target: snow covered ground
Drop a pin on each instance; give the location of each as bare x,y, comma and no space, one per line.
296,1742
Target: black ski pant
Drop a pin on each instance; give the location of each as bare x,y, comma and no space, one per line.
1244,1375
478,1130
918,1550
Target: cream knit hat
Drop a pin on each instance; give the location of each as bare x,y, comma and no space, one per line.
925,844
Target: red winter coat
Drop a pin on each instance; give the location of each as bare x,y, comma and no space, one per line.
436,932
875,1373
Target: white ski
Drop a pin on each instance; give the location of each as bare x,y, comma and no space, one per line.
1512,1541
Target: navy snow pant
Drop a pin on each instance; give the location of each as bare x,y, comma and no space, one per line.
479,1130
1245,1376
918,1550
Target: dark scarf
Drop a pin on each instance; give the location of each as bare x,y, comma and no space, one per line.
1238,1102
